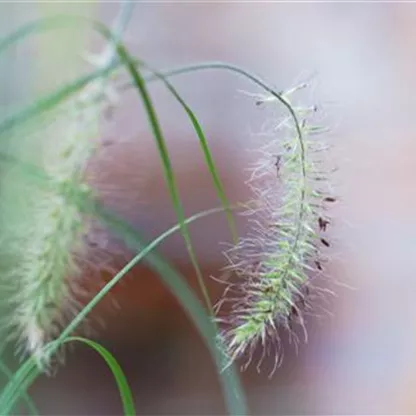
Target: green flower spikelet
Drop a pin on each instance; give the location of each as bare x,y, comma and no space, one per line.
45,232
274,263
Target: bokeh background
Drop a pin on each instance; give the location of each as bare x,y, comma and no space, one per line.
361,59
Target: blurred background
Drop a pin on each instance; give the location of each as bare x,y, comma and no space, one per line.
361,58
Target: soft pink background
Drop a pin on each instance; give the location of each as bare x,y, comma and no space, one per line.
361,359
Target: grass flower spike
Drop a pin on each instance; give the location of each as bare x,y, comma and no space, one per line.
50,236
275,262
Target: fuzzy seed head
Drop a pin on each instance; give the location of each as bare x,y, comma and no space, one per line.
49,233
273,264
